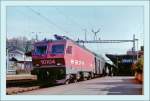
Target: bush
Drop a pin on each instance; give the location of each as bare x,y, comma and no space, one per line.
139,65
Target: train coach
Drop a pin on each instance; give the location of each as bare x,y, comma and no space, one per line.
65,61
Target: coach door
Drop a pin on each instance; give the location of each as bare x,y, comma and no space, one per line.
96,66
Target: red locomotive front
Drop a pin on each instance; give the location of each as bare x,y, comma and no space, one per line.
49,54
48,60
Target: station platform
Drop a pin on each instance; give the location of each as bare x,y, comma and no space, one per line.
21,77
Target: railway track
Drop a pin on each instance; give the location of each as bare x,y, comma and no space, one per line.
16,90
24,85
19,86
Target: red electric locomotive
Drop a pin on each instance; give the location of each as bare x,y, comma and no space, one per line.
64,61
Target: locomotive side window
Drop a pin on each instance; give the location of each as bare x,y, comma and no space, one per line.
57,49
69,50
40,50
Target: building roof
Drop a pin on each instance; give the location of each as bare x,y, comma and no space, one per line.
123,58
16,51
21,57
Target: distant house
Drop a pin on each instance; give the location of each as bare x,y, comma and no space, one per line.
19,61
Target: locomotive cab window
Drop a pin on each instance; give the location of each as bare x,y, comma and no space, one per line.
57,49
40,50
69,50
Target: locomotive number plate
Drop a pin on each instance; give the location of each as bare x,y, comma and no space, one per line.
45,62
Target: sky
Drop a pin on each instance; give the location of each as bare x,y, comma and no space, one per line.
114,22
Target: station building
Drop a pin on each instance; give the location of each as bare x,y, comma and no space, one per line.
18,62
123,63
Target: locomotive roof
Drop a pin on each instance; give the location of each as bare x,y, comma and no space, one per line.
96,55
67,39
47,41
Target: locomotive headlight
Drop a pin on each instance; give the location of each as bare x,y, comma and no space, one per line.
37,65
58,64
68,76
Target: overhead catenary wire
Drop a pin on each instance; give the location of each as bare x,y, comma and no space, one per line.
72,20
69,18
27,23
47,20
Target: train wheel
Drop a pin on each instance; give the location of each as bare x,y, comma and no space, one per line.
67,82
74,78
38,77
85,78
92,75
75,81
78,77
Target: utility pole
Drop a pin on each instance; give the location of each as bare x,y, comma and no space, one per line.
133,43
134,49
36,37
85,31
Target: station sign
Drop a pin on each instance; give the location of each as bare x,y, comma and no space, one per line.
127,61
